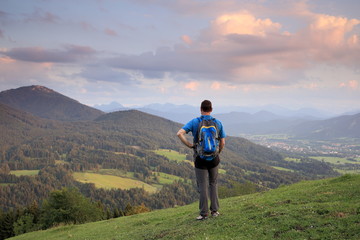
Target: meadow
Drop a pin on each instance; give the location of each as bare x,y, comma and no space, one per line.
24,172
110,181
171,155
337,160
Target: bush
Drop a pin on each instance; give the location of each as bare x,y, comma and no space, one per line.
68,206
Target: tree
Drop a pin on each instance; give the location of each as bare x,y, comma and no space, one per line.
7,228
131,210
68,206
25,224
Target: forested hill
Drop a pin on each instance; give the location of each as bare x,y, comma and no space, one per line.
46,103
17,126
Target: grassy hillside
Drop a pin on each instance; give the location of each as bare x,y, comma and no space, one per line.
323,209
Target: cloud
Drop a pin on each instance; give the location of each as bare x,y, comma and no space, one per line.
243,23
100,73
18,73
193,86
70,53
87,26
186,39
215,86
40,15
241,47
110,32
352,84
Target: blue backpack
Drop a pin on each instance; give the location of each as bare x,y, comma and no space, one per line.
207,146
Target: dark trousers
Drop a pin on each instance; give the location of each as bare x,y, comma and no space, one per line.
207,183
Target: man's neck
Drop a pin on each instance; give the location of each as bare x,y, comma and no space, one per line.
205,113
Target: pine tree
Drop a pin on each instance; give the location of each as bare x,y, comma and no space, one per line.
7,228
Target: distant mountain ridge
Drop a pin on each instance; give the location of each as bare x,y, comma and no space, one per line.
47,103
266,122
338,127
190,109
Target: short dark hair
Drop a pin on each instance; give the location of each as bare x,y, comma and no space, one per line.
206,106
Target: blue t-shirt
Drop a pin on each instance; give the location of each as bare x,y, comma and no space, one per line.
193,125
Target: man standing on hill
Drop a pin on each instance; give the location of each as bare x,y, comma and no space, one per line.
209,141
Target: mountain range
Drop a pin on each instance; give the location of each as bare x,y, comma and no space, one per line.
303,123
185,108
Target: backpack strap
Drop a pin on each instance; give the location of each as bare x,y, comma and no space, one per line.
197,140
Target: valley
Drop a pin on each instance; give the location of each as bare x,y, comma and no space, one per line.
343,154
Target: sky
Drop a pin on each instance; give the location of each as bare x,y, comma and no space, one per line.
291,53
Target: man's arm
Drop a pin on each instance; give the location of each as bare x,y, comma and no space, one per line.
181,134
221,144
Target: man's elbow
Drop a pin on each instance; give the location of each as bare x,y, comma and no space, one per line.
180,133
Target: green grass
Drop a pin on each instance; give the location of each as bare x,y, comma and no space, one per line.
115,178
24,172
348,171
117,172
171,154
61,162
323,209
289,159
109,181
7,184
283,169
336,160
165,178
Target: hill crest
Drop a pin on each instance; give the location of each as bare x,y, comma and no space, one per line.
47,103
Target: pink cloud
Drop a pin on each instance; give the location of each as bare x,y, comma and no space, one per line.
352,84
241,47
243,23
87,26
215,86
186,39
192,86
331,31
110,32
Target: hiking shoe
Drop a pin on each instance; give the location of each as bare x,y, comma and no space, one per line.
215,214
202,217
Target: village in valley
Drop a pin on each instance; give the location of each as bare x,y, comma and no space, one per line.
346,148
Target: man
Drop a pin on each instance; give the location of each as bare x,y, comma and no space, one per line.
206,170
